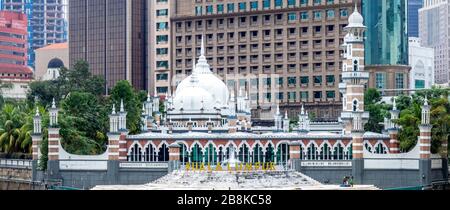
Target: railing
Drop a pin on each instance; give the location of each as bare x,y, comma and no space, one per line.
11,163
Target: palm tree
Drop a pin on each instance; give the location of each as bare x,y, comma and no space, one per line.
15,129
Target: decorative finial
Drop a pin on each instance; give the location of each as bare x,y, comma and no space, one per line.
286,115
356,6
37,112
426,101
303,109
53,104
156,93
148,97
278,110
143,108
395,104
122,109
113,109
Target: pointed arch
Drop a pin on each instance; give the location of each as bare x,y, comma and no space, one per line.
135,152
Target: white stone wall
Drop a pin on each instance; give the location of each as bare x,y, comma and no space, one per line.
421,60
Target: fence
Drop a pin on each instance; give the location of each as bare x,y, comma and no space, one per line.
12,163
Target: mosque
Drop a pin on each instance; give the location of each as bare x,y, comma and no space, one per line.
203,122
208,122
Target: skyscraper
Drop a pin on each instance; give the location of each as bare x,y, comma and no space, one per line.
386,36
47,22
413,17
434,32
386,45
110,35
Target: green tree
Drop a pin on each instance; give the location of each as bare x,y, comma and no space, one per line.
377,110
132,104
410,118
15,128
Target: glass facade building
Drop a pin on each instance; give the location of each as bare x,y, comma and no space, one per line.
111,37
386,35
413,17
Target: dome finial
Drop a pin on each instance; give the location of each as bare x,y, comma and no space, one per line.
303,109
53,104
122,109
426,101
356,6
113,109
37,111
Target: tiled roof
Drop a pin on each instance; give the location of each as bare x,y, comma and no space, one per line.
64,45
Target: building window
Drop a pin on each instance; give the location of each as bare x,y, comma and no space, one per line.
399,81
380,81
254,5
266,4
420,84
230,7
220,8
317,94
331,94
242,6
292,16
278,3
198,10
162,12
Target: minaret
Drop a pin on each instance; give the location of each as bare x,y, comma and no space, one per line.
37,136
354,80
53,114
393,130
354,76
53,142
425,144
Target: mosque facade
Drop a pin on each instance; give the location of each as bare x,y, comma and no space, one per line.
205,123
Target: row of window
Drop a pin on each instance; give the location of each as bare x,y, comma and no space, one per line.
381,80
294,96
291,81
255,5
242,22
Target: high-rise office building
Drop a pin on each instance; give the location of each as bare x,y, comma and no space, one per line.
47,23
386,46
13,55
413,17
386,36
110,35
278,51
434,20
159,46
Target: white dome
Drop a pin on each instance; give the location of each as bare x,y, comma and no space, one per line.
217,89
207,81
356,19
193,98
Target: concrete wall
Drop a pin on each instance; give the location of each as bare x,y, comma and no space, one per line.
392,178
332,176
90,179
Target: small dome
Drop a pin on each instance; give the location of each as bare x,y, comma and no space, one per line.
55,63
356,20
